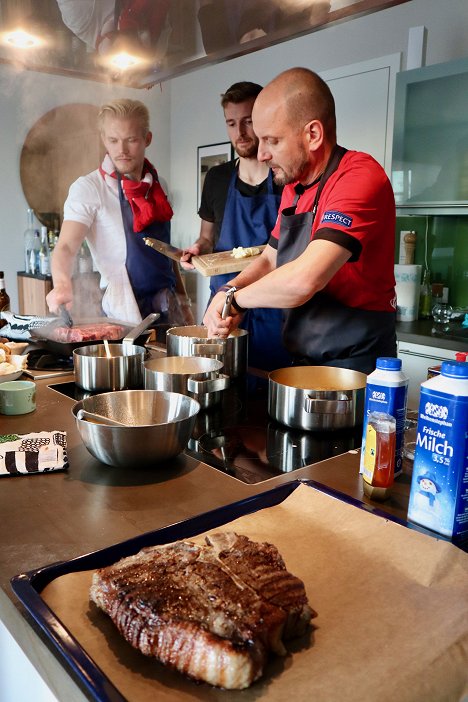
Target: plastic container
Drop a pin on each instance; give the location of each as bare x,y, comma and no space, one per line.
435,370
387,392
439,486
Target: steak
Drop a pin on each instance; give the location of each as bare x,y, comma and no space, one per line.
88,332
213,612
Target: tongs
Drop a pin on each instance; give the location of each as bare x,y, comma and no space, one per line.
65,315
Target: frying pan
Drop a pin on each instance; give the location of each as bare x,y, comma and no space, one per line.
64,349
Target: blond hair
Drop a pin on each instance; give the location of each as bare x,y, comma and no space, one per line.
124,108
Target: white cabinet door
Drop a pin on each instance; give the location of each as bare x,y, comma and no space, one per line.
416,359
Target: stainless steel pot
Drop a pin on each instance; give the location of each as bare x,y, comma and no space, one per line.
195,376
194,341
316,397
100,367
158,426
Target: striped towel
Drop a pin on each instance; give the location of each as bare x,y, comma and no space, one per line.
18,326
33,453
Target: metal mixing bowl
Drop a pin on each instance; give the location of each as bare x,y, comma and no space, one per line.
159,426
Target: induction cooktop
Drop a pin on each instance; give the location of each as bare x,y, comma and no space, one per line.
239,438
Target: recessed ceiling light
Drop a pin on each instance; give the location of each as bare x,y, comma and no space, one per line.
21,39
124,61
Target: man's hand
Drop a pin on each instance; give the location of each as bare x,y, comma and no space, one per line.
186,257
213,321
60,295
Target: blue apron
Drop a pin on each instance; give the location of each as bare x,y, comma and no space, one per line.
148,271
248,221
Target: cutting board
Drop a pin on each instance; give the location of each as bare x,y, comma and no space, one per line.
222,262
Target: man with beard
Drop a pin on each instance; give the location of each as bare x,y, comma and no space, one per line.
329,261
239,207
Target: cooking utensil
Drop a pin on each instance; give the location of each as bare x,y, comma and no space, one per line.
159,426
210,264
194,341
97,372
99,419
316,397
106,346
63,349
65,315
198,377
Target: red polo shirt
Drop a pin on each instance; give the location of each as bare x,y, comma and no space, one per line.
356,210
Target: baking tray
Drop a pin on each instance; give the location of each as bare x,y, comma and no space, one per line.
28,586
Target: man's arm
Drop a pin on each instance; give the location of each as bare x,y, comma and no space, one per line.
290,285
203,245
71,237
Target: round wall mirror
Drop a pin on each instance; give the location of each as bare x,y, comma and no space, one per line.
61,146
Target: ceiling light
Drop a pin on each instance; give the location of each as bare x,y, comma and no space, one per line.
123,61
20,39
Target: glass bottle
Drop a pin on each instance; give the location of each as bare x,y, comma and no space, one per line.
4,297
425,297
28,240
44,253
34,257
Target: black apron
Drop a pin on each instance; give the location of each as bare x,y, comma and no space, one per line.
324,331
149,272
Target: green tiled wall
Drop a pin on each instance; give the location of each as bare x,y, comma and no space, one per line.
447,250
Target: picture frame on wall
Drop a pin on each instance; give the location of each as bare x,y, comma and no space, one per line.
208,156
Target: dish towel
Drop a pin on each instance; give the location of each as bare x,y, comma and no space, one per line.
18,326
24,454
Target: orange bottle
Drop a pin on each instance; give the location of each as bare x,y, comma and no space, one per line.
379,455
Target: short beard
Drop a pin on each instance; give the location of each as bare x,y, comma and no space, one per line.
249,151
295,173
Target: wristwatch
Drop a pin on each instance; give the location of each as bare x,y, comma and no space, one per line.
231,300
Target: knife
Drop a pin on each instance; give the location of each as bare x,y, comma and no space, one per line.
163,248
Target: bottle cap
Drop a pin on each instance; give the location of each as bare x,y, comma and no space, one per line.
454,369
389,363
461,355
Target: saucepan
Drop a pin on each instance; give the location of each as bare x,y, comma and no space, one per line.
193,340
157,427
317,397
199,377
102,367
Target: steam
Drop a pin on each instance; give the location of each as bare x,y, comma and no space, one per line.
87,296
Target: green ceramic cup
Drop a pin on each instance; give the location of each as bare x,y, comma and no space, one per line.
17,397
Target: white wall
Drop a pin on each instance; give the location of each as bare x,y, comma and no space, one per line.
187,114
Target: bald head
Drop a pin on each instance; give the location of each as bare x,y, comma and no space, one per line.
302,96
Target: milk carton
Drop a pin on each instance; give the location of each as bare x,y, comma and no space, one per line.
439,486
387,392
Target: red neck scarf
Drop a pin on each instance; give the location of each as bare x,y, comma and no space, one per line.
146,197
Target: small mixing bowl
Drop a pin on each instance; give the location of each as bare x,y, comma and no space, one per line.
159,426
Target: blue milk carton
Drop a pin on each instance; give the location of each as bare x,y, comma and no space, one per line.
439,486
387,392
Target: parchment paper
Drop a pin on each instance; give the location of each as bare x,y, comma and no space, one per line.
392,613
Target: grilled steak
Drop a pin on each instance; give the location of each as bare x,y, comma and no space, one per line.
212,612
89,332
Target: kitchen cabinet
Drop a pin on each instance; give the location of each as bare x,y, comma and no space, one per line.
430,152
416,359
32,291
